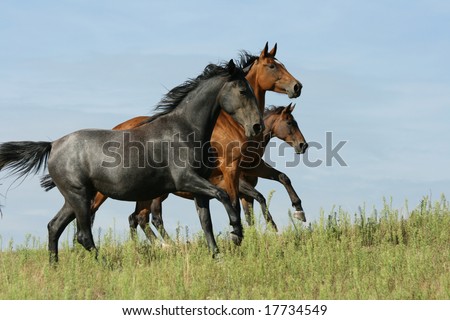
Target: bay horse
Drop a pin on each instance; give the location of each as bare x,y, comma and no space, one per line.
278,122
143,163
264,73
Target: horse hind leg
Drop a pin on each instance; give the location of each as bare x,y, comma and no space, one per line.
247,195
56,227
95,205
141,217
133,223
157,220
265,210
247,206
79,199
84,236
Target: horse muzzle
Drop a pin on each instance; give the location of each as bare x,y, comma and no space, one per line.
255,130
301,148
295,90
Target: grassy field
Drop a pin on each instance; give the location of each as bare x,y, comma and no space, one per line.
376,255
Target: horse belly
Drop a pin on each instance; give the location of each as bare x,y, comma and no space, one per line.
134,184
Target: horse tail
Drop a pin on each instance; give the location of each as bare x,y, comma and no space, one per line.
24,157
47,182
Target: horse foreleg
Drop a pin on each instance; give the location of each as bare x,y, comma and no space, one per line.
202,187
202,205
266,171
248,194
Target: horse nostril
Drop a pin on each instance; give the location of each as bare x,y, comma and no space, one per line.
297,87
303,146
257,128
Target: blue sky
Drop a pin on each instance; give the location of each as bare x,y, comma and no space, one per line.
376,75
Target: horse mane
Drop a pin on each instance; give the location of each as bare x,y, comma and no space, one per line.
175,96
271,110
246,59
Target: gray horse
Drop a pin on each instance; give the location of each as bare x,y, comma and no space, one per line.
169,153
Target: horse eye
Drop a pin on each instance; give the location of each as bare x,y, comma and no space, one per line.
243,92
271,66
289,123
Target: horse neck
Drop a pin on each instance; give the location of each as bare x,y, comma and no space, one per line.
201,109
259,92
268,129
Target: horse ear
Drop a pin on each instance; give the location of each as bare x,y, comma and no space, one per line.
288,109
273,52
292,106
265,51
231,67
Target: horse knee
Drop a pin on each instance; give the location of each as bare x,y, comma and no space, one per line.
284,178
260,198
233,199
222,196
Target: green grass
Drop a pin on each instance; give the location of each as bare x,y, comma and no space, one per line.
381,255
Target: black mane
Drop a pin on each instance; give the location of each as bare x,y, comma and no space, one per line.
175,96
246,60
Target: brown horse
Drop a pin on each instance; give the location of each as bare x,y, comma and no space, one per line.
279,122
234,151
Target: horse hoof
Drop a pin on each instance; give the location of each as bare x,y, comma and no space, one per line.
272,226
217,256
237,240
165,245
53,260
300,215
